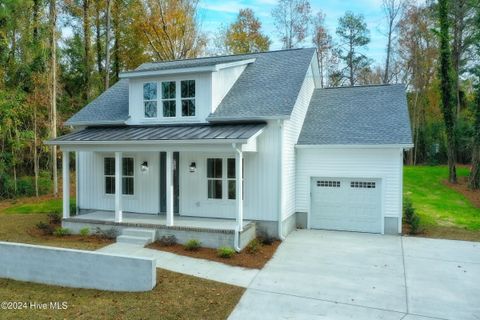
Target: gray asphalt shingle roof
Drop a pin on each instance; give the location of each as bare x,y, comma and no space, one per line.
368,115
218,132
110,107
267,88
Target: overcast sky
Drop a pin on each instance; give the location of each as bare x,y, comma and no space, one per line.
214,13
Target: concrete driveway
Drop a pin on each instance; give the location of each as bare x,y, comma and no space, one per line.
343,275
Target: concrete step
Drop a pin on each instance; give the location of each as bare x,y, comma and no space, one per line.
144,233
134,240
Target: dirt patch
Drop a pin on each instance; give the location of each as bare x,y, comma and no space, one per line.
242,259
444,232
462,187
92,241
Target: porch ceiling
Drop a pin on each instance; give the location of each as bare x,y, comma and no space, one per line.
194,133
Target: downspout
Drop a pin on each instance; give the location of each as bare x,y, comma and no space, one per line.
280,189
236,238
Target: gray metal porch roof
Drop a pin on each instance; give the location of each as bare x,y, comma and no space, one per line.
193,132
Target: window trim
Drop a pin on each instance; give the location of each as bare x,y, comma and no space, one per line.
154,100
224,178
134,177
178,100
194,98
169,99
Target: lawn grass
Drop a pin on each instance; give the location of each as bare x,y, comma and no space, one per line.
176,296
42,206
440,207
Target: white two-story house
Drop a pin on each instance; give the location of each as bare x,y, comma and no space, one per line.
220,148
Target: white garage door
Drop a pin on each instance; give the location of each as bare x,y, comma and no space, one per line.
346,204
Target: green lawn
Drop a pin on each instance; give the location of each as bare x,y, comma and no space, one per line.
438,205
43,206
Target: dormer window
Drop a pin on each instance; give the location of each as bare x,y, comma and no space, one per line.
188,98
169,99
150,99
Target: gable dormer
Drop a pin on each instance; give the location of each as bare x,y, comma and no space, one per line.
162,93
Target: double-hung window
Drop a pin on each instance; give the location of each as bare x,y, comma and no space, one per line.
150,99
188,97
169,102
221,174
214,178
128,177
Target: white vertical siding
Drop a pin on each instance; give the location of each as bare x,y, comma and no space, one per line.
291,132
92,183
222,82
351,163
261,181
203,98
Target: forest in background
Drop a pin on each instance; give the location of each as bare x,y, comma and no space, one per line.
48,74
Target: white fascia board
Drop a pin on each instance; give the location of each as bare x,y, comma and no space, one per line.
354,146
233,64
146,142
212,68
240,119
94,123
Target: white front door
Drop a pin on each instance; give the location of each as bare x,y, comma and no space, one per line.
346,204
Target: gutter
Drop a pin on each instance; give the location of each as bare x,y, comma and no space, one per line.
280,195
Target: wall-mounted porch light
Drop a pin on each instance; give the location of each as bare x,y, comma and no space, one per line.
193,167
144,166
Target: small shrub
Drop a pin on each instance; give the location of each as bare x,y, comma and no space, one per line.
411,217
225,252
168,241
254,246
192,245
61,232
45,228
54,218
73,209
111,233
84,232
265,238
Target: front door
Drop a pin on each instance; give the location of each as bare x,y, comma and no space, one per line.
163,182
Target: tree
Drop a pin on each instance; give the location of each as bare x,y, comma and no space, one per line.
474,178
354,35
53,93
462,14
245,36
87,59
107,44
392,9
323,43
447,87
292,19
172,30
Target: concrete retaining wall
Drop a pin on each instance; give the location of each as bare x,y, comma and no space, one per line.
76,268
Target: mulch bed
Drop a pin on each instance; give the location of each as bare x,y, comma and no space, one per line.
462,187
242,259
91,239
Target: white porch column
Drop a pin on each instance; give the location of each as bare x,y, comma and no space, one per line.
118,187
66,184
238,188
169,188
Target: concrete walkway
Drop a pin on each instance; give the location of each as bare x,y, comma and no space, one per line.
342,275
201,268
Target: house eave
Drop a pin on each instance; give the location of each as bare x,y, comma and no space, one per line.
146,142
405,146
212,68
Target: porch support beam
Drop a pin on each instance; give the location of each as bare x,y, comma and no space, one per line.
238,187
118,187
66,184
169,182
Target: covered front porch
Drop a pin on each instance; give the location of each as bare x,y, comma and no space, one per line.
177,180
148,220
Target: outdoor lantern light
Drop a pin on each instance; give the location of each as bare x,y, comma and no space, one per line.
144,166
193,167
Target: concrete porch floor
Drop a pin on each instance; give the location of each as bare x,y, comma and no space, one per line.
160,220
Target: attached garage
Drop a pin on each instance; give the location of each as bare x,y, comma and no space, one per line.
346,204
349,159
